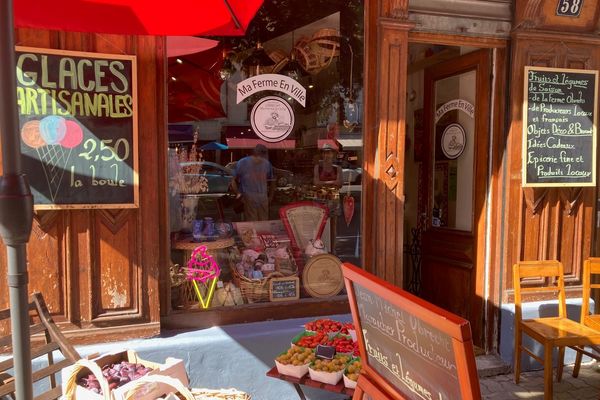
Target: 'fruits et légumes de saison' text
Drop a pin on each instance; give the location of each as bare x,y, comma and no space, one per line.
559,115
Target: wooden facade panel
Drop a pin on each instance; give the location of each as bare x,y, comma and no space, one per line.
115,261
47,261
554,223
388,171
89,264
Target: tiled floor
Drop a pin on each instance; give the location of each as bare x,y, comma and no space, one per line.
584,387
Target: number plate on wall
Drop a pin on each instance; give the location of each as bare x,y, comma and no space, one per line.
569,8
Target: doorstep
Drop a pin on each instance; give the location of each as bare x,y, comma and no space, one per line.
491,365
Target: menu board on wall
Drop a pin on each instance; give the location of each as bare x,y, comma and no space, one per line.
409,347
78,128
559,127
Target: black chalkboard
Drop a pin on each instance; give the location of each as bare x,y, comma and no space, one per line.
559,129
410,354
78,128
281,289
410,348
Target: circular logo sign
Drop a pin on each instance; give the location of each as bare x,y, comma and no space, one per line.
453,141
272,119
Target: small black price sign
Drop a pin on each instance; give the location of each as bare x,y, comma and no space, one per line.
326,352
282,289
569,8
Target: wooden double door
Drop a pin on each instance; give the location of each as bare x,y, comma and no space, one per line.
455,183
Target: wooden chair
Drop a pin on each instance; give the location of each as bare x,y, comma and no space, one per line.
45,339
591,267
550,332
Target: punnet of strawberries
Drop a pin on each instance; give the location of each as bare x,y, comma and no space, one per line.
311,341
323,325
348,326
342,344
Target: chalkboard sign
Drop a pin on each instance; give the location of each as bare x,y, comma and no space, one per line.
78,128
410,348
281,289
559,127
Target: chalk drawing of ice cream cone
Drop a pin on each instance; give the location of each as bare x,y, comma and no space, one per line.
53,138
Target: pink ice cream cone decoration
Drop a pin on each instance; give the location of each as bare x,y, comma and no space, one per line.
202,266
53,138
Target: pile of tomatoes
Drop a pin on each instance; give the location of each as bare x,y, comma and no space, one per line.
323,325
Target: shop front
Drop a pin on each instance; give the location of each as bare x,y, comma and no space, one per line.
385,134
271,188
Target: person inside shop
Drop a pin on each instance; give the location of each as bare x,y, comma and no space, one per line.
326,173
254,184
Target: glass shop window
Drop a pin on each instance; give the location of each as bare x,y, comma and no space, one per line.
265,158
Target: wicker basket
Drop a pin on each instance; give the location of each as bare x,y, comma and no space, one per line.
254,290
184,393
257,290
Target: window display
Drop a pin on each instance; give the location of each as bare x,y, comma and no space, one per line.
261,189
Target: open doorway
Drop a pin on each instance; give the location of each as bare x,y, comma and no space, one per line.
446,177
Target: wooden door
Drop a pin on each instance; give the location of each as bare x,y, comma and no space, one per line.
457,102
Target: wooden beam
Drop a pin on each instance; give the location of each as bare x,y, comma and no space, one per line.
437,58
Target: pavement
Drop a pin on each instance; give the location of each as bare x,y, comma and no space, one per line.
585,386
240,355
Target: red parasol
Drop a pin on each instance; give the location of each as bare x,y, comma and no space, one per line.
138,17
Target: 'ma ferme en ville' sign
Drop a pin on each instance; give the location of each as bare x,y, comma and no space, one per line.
272,117
78,127
559,127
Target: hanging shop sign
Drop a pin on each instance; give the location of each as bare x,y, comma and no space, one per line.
272,119
456,104
411,349
78,127
276,82
453,141
559,127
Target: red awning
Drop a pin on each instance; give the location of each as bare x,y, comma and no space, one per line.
242,137
250,143
139,17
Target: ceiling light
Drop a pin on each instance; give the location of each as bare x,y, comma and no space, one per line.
173,78
179,61
227,69
258,58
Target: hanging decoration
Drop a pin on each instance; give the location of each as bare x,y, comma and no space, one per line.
203,269
348,208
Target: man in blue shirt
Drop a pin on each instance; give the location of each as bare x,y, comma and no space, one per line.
255,184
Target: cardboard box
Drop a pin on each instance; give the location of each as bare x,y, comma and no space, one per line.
172,367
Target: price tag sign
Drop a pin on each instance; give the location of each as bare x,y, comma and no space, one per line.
326,352
569,8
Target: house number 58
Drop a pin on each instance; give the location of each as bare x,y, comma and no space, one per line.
569,8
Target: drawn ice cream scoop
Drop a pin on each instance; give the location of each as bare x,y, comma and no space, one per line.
202,266
53,138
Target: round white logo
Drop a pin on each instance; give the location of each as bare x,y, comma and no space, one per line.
453,141
272,119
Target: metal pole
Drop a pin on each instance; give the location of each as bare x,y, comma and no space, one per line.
16,207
